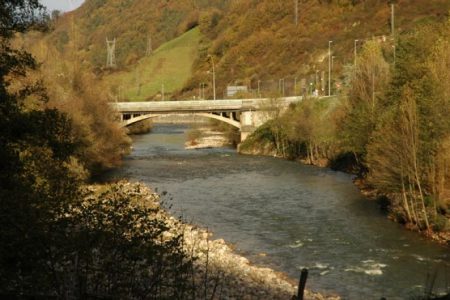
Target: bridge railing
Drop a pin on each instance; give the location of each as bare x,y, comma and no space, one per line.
198,105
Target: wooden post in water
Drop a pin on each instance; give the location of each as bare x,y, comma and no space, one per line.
302,284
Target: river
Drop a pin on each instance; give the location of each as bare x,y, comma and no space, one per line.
287,216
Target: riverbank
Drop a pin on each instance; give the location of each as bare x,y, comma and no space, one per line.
230,276
206,138
368,191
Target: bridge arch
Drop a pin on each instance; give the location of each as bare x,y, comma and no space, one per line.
229,121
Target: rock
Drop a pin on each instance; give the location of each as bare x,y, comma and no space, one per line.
237,277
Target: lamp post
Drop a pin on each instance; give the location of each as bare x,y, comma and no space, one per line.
295,86
329,68
281,86
393,18
394,53
316,90
214,77
332,64
316,77
259,88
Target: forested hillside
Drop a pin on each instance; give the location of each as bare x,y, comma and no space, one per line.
249,40
260,40
132,23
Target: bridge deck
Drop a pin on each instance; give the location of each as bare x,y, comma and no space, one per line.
197,105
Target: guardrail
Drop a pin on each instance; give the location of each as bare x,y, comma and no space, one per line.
198,105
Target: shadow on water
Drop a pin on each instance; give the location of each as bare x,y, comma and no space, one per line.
289,216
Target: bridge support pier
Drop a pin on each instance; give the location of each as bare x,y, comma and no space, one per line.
250,121
246,131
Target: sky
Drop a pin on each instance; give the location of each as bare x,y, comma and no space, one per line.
62,5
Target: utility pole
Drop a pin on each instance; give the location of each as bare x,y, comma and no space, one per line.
322,82
303,86
332,65
149,50
394,53
329,68
259,88
281,86
137,79
214,77
295,86
162,91
393,19
111,49
316,89
296,12
354,62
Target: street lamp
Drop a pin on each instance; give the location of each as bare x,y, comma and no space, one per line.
316,79
393,46
329,68
316,90
214,77
259,88
295,86
281,86
332,64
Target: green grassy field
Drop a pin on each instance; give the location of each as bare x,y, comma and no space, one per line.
169,65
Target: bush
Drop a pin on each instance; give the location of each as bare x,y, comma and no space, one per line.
440,223
141,127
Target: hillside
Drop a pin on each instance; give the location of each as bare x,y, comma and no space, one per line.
169,66
253,42
132,23
259,40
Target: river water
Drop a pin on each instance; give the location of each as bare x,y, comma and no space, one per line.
287,216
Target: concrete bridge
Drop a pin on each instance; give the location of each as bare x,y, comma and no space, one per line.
245,114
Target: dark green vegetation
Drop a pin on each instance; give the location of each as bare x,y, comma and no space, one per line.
391,125
58,239
394,123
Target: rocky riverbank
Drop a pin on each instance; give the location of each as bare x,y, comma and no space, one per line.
207,138
230,275
211,139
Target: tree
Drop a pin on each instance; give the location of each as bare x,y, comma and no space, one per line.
369,82
409,152
37,185
58,240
